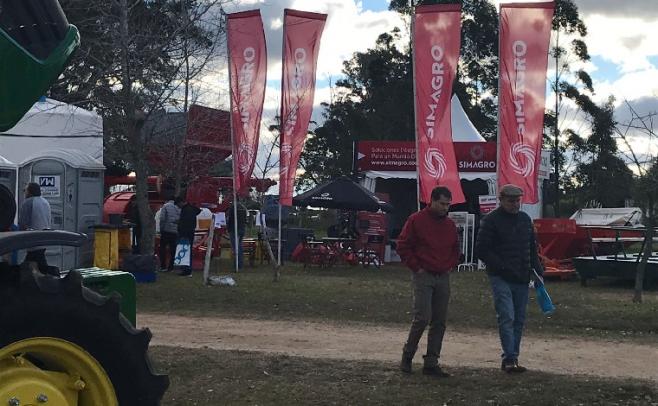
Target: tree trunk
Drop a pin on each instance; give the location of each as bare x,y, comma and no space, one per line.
646,253
147,240
266,241
273,261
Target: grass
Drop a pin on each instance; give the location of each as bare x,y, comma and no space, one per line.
209,377
355,294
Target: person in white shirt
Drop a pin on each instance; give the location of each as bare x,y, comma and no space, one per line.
35,214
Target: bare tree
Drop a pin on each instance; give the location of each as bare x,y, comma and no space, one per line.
264,168
137,57
642,126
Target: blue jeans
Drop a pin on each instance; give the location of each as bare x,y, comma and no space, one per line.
240,238
510,301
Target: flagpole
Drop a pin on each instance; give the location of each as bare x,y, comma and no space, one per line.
500,23
236,240
413,72
235,157
282,126
279,242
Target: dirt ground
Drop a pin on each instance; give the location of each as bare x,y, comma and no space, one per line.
367,342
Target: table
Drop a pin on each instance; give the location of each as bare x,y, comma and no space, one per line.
343,248
318,253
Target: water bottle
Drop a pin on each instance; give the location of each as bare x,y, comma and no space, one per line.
543,298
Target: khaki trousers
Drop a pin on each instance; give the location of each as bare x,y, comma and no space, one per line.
431,297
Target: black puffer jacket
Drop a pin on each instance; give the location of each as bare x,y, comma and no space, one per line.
506,244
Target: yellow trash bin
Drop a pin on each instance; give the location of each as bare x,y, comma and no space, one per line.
110,241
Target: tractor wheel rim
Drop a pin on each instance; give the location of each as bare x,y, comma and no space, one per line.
57,355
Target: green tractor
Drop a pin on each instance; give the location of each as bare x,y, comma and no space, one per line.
61,344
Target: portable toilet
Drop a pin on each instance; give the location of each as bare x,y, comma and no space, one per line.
8,179
8,175
72,182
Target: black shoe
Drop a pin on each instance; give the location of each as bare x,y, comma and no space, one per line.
516,368
185,273
405,364
512,367
435,371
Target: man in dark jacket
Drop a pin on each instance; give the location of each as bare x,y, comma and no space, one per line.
186,228
429,246
132,215
506,244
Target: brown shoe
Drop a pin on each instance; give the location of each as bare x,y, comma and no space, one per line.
435,371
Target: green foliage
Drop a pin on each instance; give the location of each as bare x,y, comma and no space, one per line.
378,85
567,19
373,102
600,174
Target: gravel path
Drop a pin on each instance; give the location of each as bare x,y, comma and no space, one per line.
367,342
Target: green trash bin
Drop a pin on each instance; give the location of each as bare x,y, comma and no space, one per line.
105,281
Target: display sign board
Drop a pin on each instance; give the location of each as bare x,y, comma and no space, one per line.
487,203
401,156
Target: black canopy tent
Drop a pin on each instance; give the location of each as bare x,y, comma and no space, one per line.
342,193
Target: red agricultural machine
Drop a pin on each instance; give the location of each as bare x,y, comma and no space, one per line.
587,232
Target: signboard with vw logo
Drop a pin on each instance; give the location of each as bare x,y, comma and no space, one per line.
50,185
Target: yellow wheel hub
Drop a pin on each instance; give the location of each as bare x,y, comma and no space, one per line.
52,372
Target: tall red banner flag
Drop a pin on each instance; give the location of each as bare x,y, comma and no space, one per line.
436,37
248,68
525,30
301,44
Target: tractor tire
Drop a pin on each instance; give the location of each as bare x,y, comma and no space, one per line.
36,305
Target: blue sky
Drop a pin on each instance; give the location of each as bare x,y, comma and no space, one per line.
375,5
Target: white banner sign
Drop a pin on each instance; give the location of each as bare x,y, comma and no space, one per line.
50,185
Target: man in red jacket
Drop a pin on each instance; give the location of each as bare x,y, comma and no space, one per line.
428,245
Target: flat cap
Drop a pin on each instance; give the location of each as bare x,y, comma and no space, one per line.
511,190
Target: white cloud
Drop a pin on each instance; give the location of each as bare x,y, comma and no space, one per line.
631,86
627,42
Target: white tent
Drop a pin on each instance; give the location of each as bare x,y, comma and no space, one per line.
52,124
463,130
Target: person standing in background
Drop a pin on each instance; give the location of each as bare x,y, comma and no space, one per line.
132,215
35,215
169,216
186,228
